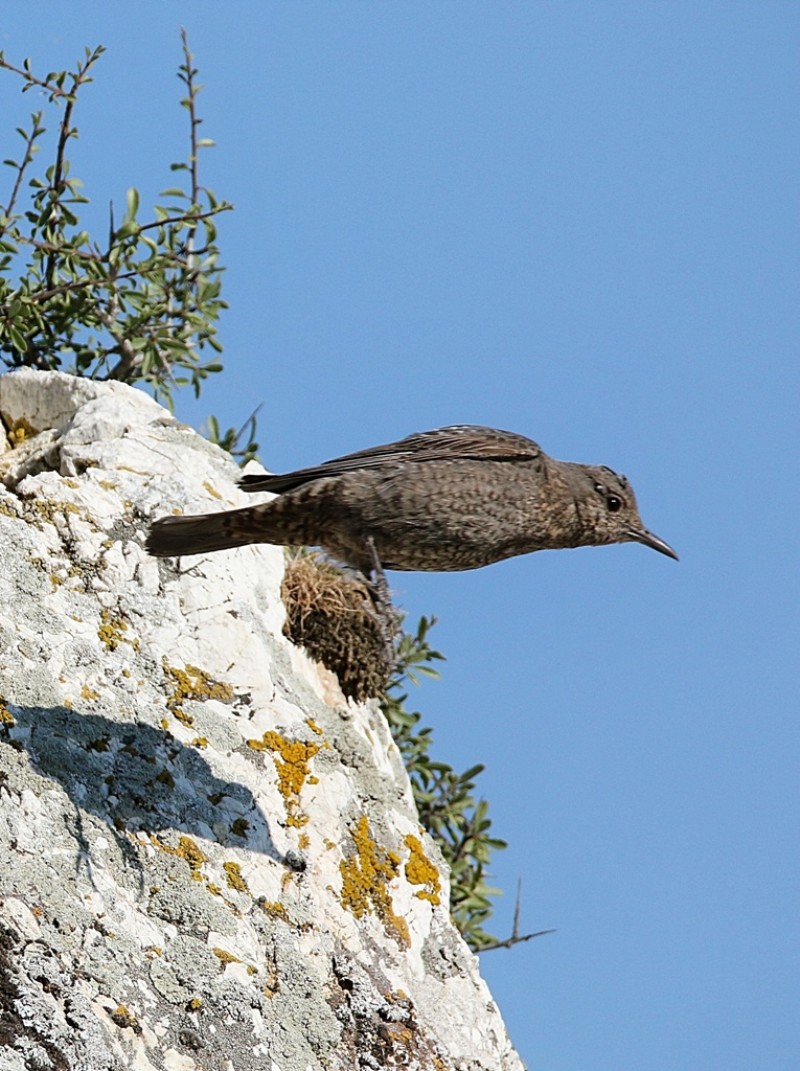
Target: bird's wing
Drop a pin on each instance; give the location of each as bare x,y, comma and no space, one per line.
463,442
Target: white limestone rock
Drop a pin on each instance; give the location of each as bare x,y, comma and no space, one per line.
205,861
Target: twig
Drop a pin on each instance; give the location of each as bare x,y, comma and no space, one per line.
27,158
516,937
65,132
53,90
194,122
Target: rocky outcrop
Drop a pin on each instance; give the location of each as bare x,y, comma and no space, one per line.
208,857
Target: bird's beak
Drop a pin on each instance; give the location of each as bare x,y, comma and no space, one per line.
641,535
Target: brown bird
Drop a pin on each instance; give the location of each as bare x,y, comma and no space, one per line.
456,498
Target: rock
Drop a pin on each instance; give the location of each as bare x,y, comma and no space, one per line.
208,857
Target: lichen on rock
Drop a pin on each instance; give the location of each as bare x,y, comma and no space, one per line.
170,894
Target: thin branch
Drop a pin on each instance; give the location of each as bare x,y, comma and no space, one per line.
516,937
187,217
58,183
194,122
28,157
78,284
53,90
102,258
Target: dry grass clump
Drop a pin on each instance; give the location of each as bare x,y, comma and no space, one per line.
332,614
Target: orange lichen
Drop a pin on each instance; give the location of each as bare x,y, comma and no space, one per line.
366,875
123,1017
111,631
190,682
274,908
186,850
233,874
291,758
420,870
225,957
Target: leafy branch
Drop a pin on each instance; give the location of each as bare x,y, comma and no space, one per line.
446,802
140,305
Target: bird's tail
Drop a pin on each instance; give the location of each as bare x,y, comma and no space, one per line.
172,536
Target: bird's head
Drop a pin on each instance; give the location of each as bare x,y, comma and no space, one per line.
608,512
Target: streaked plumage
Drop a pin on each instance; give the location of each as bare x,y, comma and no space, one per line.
455,498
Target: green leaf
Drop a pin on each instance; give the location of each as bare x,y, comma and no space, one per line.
132,202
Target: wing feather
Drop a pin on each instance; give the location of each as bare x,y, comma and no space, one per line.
462,442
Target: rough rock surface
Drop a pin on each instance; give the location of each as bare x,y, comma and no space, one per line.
208,859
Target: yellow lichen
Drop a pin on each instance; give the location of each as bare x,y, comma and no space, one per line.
225,957
200,742
274,908
191,853
50,508
89,694
111,630
420,870
366,874
21,430
187,850
6,717
233,874
124,1017
195,1004
291,758
192,683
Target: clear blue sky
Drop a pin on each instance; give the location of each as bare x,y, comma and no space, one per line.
578,221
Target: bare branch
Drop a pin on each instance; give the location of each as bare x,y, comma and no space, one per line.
516,937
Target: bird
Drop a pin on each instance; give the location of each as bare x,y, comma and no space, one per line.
451,499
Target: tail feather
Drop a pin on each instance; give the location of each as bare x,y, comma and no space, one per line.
173,536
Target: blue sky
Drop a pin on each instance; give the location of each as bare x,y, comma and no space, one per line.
578,221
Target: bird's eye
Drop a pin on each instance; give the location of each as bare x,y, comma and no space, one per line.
613,503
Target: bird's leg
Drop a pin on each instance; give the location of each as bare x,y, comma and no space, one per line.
378,575
387,615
